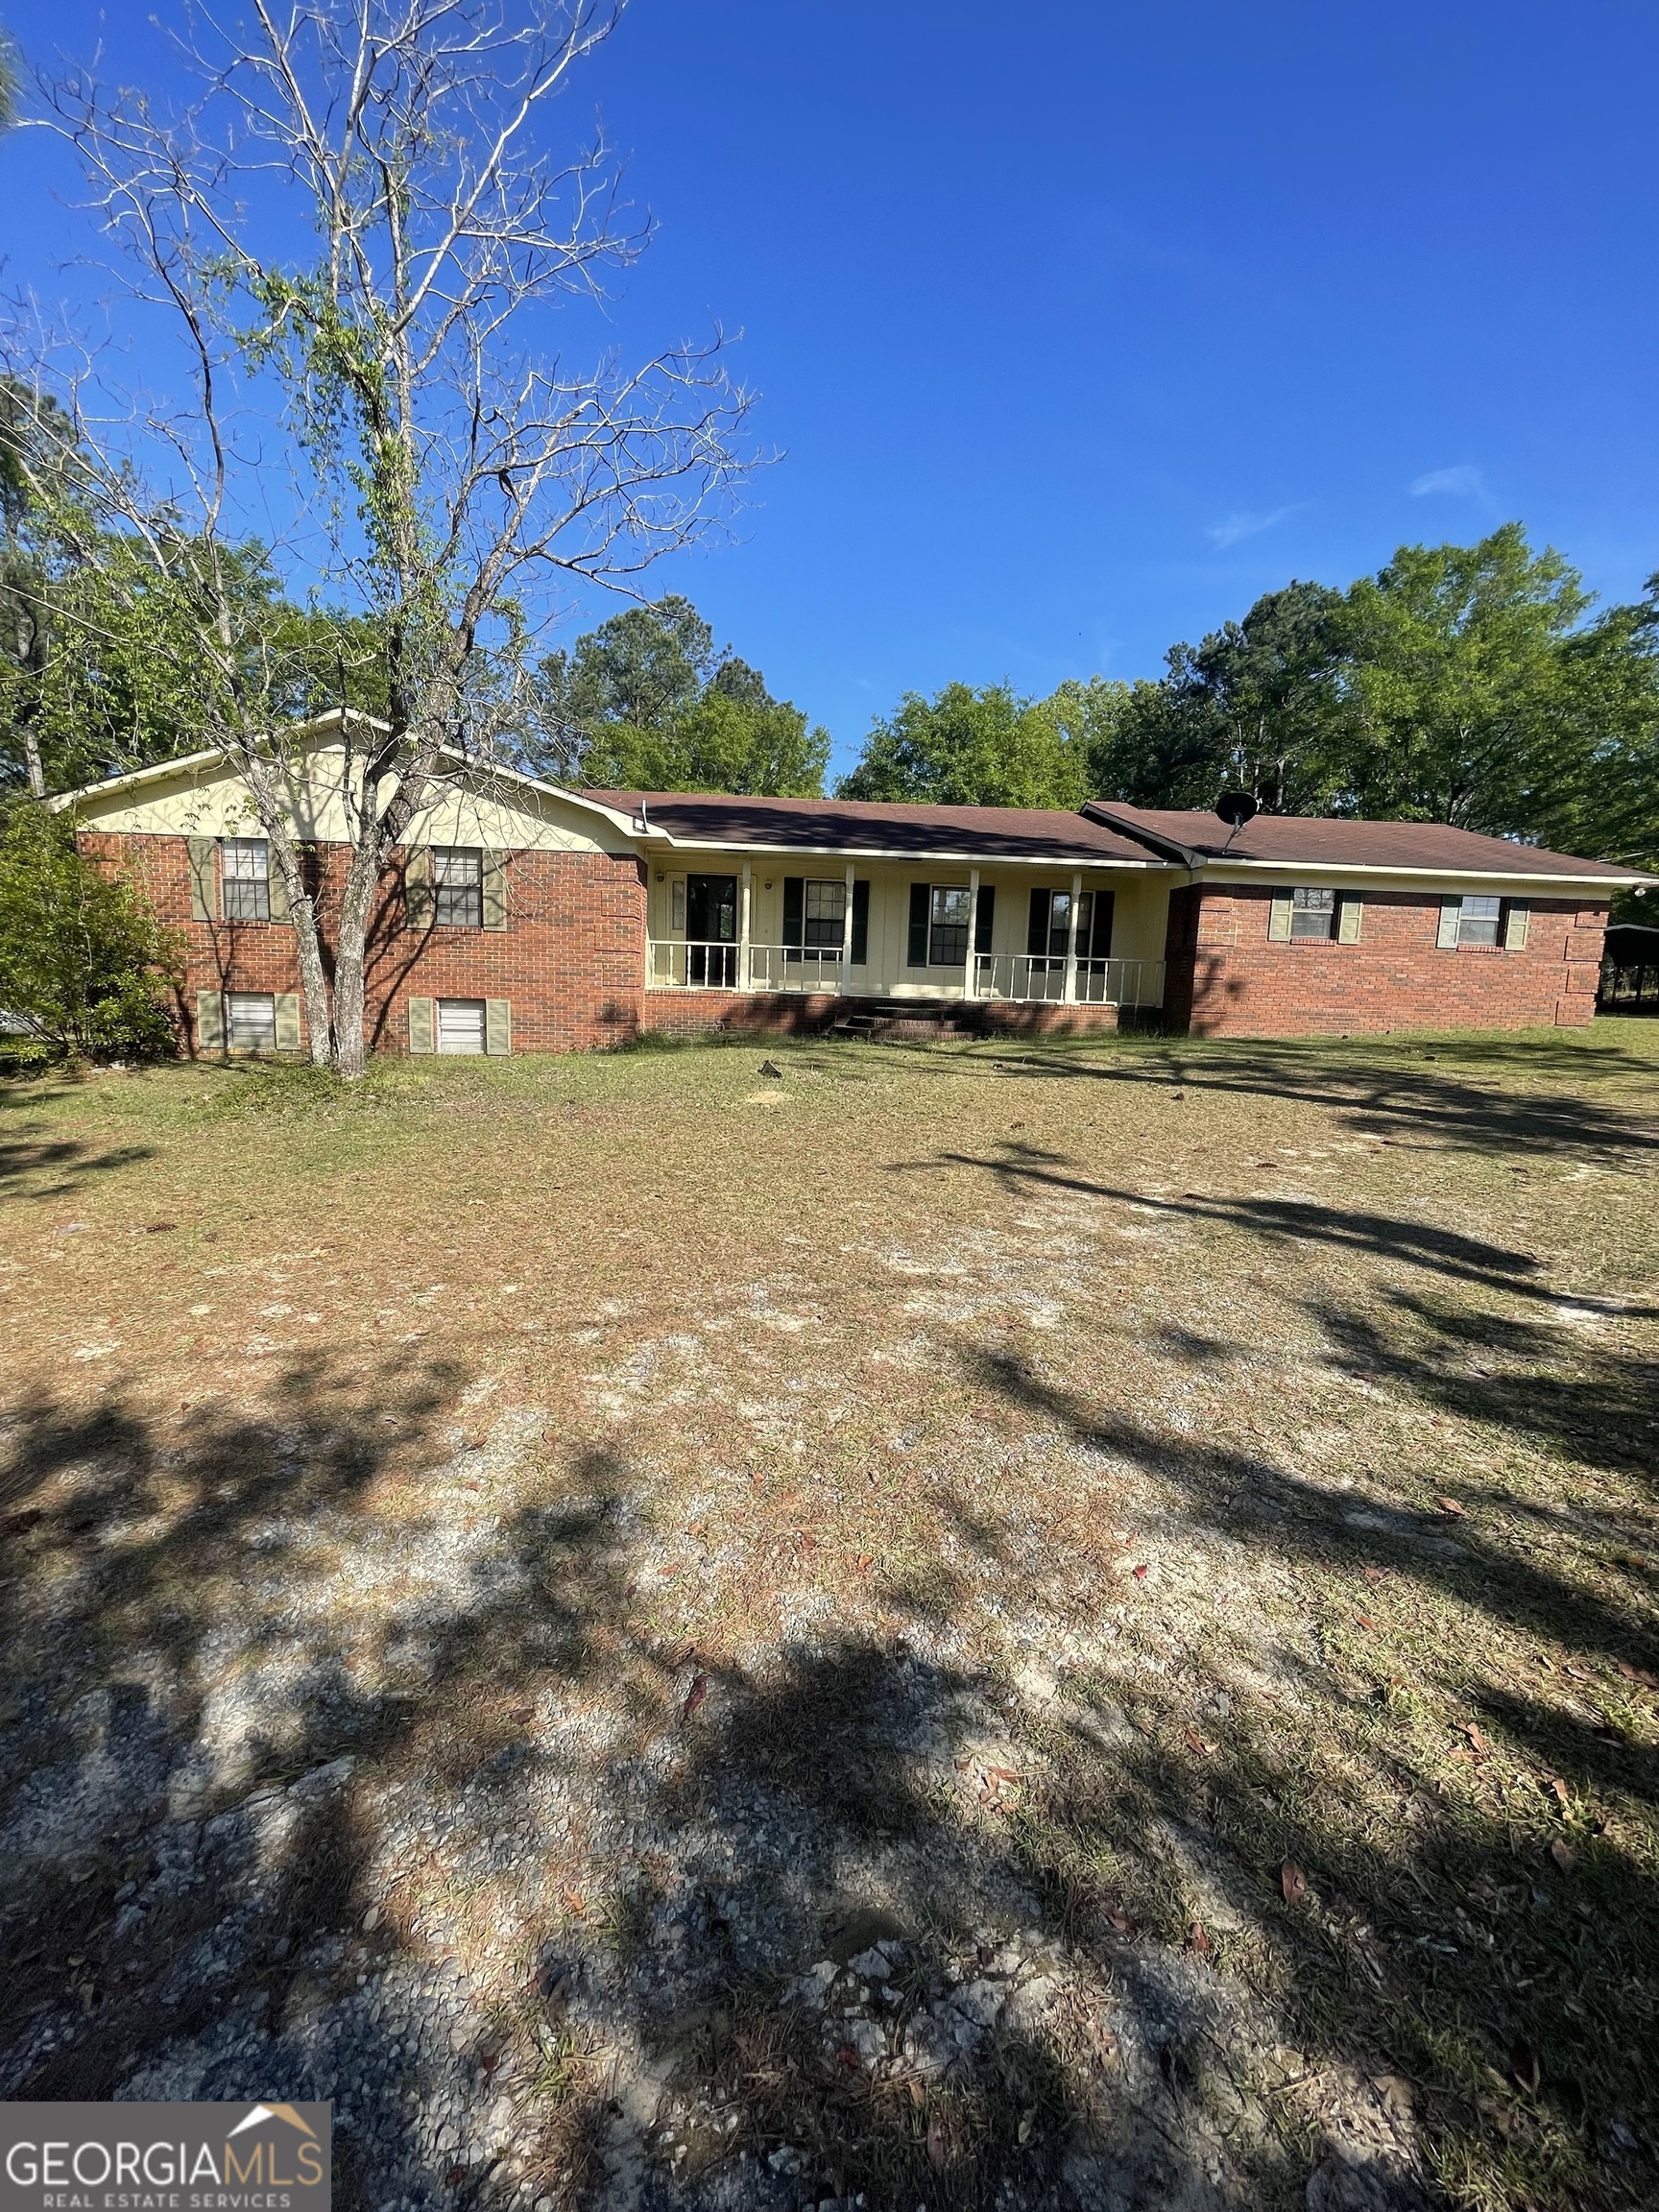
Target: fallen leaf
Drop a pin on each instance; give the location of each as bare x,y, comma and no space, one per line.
1372,1573
1564,1856
1475,1737
937,2155
865,1562
1364,1621
847,2056
1140,1574
1001,1774
1635,1674
523,1714
696,1696
1196,1742
1198,1940
1561,1789
1123,1923
1451,1506
1293,1881
1523,2066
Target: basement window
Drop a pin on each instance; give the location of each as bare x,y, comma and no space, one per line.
250,1021
246,878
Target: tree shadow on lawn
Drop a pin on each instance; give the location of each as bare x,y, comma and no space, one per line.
1383,1089
190,1913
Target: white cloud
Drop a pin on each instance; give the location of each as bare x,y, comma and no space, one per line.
1238,526
1462,482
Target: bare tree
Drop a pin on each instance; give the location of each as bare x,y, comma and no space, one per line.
359,239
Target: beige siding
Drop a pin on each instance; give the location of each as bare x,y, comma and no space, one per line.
211,801
1138,917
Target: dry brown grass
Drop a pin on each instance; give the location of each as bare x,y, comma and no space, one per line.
1296,1405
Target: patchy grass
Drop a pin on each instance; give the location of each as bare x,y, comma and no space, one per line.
1191,1503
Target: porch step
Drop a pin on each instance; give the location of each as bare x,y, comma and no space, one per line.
908,1020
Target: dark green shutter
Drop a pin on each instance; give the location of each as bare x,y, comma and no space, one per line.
1099,946
918,947
794,909
862,921
1037,932
984,916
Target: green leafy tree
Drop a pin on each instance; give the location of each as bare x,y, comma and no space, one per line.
83,963
1258,705
644,703
977,748
1458,671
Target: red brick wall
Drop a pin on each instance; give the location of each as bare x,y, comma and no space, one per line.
1225,978
570,961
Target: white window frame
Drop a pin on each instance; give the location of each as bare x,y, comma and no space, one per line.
446,894
1492,917
245,879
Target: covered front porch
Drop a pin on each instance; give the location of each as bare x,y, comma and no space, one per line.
1029,936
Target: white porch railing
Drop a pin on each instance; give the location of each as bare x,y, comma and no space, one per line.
1019,979
673,965
1034,978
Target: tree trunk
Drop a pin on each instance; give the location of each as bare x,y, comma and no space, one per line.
308,941
350,960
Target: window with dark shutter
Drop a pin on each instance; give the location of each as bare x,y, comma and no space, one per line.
915,951
1037,932
984,918
1094,924
862,921
794,913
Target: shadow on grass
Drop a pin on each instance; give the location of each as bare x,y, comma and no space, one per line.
1063,1959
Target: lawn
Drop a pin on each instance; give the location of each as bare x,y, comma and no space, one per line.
1054,1625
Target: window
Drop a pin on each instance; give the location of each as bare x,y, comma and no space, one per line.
815,916
460,1025
1051,923
458,888
250,1023
824,915
246,865
1312,913
1477,919
947,927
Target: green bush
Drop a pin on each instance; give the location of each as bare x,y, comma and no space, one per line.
85,965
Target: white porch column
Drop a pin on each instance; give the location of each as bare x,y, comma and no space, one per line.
743,928
970,980
847,939
1071,991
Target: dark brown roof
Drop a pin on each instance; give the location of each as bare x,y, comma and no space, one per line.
1434,847
857,826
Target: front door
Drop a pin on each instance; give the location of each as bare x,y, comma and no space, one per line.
712,930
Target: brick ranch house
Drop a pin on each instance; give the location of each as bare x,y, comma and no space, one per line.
532,918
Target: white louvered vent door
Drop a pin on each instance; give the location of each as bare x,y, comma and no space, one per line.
460,1025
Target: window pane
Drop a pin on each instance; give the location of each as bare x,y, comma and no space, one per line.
458,885
1059,924
948,938
826,913
245,879
252,1024
1312,913
1478,925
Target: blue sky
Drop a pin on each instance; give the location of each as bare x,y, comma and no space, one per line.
1083,324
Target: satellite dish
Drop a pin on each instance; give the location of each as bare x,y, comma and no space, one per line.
1236,808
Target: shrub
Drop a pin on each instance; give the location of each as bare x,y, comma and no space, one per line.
85,965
